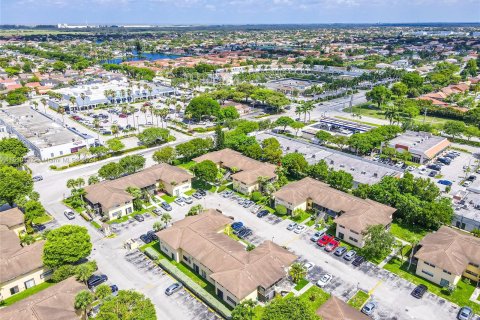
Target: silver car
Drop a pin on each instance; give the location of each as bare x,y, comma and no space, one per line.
465,313
369,307
350,255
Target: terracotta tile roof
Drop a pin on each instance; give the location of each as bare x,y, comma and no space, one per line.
11,217
356,213
336,309
249,169
111,193
53,303
450,249
235,269
16,260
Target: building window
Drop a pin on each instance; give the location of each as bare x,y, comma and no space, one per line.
429,264
447,272
14,290
30,283
46,274
471,273
231,300
204,274
341,226
186,259
354,232
427,273
353,239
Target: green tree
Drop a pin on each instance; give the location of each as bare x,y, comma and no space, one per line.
93,179
33,209
319,170
297,272
295,164
284,122
297,125
272,150
194,210
323,136
399,89
63,272
166,218
66,244
454,128
14,146
412,80
288,308
59,66
127,305
157,226
103,291
206,170
379,95
340,180
154,136
203,106
281,210
378,242
115,145
132,163
244,310
111,171
83,272
14,183
219,138
136,193
228,113
165,155
83,301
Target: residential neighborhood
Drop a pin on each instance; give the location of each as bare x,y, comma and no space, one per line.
269,160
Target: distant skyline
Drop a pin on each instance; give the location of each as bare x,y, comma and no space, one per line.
165,12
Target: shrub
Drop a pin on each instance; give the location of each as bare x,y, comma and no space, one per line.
256,196
281,210
63,272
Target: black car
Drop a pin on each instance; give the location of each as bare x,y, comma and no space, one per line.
202,192
262,213
245,233
197,195
358,261
139,217
152,235
435,167
472,178
419,291
146,238
96,280
237,231
166,206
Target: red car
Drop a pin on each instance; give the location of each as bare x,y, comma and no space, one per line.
76,118
323,241
332,244
122,115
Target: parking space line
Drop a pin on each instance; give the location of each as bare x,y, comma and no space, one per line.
375,287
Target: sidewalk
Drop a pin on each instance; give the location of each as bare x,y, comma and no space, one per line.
301,291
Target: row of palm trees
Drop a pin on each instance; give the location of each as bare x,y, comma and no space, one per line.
305,108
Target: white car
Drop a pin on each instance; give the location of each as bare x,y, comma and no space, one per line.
180,202
467,183
299,229
410,168
69,214
187,200
291,226
308,266
324,280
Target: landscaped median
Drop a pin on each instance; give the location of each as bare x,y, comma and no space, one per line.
359,299
195,288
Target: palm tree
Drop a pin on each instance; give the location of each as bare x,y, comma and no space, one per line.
44,102
297,272
178,108
83,96
129,94
114,129
299,110
163,113
125,111
61,110
72,100
166,217
35,103
131,109
143,109
93,179
83,272
83,301
156,113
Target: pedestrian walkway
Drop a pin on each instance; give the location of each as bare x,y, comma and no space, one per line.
301,291
475,295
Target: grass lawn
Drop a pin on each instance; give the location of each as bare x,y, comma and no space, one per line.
357,121
460,296
299,218
26,293
407,233
187,165
167,198
68,203
190,192
302,283
96,225
314,297
200,184
310,222
44,219
359,299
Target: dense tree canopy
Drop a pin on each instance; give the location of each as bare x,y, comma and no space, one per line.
206,170
127,305
65,245
288,308
13,145
203,106
14,183
153,136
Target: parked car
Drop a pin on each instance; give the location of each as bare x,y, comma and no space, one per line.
152,234
317,235
244,233
324,240
180,202
308,266
187,200
291,226
446,161
173,288
299,229
202,192
472,178
146,238
435,167
37,178
467,183
139,218
340,251
465,313
358,261
237,231
237,225
69,214
410,168
96,280
332,244
227,193
122,115
248,204
324,280
157,211
419,291
350,255
369,307
94,311
445,182
166,206
197,195
262,213
433,173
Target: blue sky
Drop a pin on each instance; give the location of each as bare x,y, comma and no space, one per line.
236,11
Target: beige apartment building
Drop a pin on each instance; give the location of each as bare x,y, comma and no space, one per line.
199,242
447,255
111,199
21,267
13,219
352,215
336,309
245,171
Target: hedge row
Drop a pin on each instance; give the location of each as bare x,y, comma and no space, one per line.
152,253
195,288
